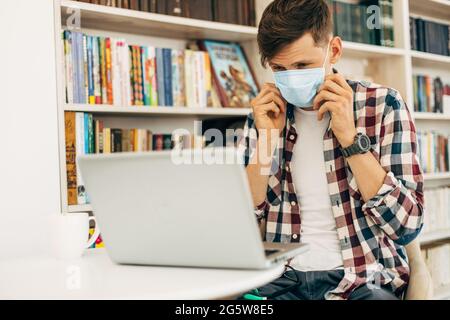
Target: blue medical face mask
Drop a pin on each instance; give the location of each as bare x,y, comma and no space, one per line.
299,87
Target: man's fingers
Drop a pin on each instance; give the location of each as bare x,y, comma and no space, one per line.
332,86
324,95
269,107
268,94
339,79
326,107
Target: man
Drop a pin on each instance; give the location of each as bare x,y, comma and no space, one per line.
331,163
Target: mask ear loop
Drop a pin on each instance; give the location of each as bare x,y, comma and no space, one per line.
326,57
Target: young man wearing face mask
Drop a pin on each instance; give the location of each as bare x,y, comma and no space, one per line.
331,163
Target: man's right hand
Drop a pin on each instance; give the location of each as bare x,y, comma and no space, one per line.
269,109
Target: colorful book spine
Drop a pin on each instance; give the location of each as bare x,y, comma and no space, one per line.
80,65
145,72
71,166
160,77
178,81
80,150
96,71
167,60
85,70
103,79
90,55
67,36
152,76
109,84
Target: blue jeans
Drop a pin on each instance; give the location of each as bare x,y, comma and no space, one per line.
315,284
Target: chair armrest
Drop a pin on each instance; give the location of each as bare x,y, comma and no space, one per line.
420,284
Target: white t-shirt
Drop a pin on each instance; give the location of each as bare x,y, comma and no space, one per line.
309,177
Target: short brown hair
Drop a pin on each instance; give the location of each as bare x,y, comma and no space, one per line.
285,21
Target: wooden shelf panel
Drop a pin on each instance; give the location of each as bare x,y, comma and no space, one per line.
431,116
439,9
362,50
437,176
152,24
429,60
432,237
80,208
160,111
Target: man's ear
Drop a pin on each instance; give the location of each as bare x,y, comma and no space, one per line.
336,50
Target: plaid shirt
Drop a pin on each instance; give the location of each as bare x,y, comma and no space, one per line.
371,234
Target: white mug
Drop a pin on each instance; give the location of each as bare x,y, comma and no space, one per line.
71,233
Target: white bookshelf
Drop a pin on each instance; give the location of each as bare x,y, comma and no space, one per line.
437,176
393,67
432,237
201,113
429,116
159,25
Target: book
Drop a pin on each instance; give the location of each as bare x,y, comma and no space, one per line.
160,77
429,94
96,71
119,74
433,151
229,11
178,79
68,66
232,73
199,9
71,167
429,36
167,67
80,150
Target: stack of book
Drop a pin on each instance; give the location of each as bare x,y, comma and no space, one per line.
433,151
431,95
358,22
86,135
108,71
428,36
227,11
438,210
437,260
101,70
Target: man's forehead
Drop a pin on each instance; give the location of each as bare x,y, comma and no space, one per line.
302,49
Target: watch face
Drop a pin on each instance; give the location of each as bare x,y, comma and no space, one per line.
364,143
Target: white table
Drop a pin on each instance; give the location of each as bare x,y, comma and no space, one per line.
96,277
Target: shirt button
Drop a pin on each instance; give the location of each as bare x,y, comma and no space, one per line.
294,236
293,203
292,137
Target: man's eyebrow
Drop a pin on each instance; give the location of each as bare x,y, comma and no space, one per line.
302,62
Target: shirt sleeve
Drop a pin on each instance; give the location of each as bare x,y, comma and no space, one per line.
398,207
246,149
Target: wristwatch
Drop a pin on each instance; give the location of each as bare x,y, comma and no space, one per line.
361,145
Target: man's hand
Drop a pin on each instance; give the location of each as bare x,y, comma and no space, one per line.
269,109
336,96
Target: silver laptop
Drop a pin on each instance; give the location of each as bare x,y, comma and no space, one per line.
178,208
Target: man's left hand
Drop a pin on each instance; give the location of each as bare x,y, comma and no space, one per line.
336,96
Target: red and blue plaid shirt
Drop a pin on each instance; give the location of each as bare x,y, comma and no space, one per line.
372,234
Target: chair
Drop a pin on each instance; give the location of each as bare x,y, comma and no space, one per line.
420,284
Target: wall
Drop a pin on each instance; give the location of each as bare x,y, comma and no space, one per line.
29,166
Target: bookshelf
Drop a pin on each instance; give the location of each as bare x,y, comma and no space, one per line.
161,111
152,24
433,237
393,67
